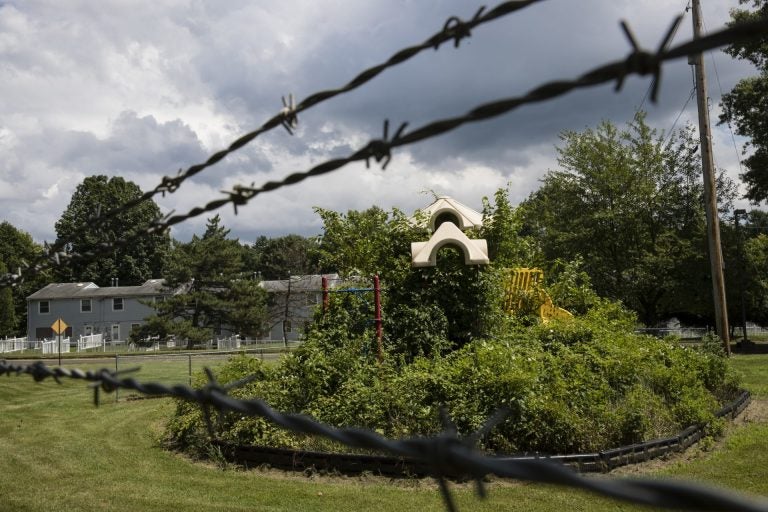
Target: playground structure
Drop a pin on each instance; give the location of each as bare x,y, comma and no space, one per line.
447,218
523,287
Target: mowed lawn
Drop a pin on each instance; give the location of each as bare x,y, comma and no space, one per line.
59,452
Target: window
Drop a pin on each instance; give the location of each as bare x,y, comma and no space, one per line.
44,307
135,327
287,326
117,304
87,330
85,305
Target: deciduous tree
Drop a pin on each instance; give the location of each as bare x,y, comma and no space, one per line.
16,249
276,258
132,264
746,105
630,204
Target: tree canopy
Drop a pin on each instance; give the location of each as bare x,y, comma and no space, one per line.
17,248
630,204
133,264
746,105
216,290
276,258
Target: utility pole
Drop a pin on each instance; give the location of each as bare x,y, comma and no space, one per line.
710,191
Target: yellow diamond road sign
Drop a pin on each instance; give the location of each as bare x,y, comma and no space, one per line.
59,326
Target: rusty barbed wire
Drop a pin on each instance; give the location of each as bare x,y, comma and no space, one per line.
446,453
454,29
638,62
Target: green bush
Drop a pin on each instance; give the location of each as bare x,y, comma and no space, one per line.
577,386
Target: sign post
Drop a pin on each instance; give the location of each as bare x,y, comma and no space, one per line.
59,326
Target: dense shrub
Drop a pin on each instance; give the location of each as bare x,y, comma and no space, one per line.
576,386
573,386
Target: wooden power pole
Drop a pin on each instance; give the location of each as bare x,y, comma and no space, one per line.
710,190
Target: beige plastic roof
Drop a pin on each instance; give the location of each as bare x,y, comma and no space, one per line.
467,217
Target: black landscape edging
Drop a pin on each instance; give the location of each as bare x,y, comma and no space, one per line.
605,460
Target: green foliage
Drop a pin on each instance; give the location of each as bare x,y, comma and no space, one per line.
756,271
277,258
746,105
502,227
424,309
8,323
577,386
216,290
16,249
143,259
571,287
629,205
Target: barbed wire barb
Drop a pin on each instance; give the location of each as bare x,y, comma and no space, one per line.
458,28
290,119
643,62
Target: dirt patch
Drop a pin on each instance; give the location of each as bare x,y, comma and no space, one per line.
756,412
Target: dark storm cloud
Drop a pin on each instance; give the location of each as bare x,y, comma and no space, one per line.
554,40
201,74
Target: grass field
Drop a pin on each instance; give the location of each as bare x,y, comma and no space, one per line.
57,451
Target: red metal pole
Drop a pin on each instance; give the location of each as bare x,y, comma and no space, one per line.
325,295
377,319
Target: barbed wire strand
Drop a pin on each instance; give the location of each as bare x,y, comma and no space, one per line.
454,29
638,62
445,454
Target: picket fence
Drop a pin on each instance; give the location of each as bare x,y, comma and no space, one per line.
91,341
52,347
13,345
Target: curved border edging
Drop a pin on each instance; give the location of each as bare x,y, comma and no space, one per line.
605,460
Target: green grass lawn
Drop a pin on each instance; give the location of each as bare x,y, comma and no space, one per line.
61,452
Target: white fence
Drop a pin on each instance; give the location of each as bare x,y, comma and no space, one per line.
231,343
52,347
91,341
13,345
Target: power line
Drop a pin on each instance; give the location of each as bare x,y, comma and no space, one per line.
720,88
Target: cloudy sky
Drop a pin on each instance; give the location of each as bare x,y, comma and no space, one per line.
141,89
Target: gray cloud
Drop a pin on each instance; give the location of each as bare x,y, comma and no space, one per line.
144,89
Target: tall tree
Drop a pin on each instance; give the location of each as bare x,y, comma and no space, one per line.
746,105
8,322
217,292
141,260
631,206
276,258
16,249
356,242
745,248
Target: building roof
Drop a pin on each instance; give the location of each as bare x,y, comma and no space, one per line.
92,290
308,283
